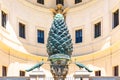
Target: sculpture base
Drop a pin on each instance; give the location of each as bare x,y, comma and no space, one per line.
59,68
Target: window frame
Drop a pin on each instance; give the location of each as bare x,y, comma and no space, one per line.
94,21
41,2
60,2
98,73
21,73
4,71
81,37
114,70
43,42
77,1
22,35
114,23
3,14
97,32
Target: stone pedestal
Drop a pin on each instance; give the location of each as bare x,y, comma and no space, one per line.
59,69
81,75
37,75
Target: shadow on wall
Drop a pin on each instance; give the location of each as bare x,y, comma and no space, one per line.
12,38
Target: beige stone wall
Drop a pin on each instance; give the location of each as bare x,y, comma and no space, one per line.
33,17
52,4
80,17
84,17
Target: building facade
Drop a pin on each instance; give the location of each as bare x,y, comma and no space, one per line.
93,25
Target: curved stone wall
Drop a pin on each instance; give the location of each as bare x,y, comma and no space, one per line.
80,17
101,53
52,4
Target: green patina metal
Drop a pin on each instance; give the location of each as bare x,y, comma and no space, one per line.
59,40
59,47
83,66
38,65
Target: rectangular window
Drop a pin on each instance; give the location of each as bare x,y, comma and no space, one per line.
59,2
115,18
4,71
40,1
22,73
97,30
22,30
4,19
78,1
78,35
116,70
98,73
40,36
